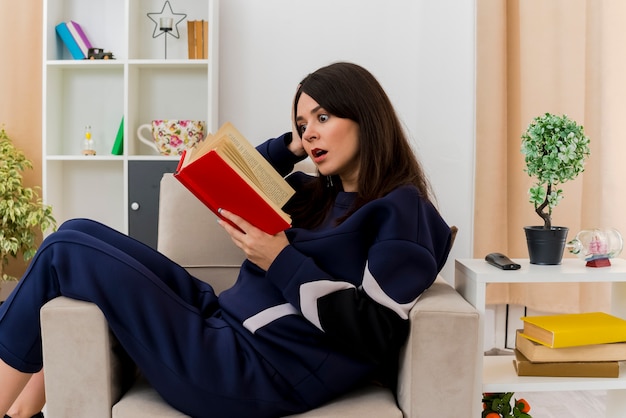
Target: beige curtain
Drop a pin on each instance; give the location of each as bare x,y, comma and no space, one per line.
559,56
20,85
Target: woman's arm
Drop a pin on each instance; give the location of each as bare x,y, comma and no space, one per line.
360,326
370,320
359,291
282,152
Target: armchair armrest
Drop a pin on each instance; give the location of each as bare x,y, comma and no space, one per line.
201,246
439,363
80,352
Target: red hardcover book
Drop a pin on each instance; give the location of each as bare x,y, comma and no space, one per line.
218,175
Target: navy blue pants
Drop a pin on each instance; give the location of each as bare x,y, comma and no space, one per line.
169,322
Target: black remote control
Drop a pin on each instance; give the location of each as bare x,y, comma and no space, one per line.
501,261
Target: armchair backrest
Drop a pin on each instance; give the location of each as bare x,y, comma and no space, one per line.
189,235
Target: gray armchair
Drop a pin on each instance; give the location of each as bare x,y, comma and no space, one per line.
88,375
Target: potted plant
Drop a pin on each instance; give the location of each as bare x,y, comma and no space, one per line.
555,149
22,212
498,405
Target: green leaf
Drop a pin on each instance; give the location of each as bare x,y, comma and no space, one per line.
22,212
555,149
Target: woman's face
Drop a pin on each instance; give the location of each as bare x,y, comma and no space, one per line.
331,142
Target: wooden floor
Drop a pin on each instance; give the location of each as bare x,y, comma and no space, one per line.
574,404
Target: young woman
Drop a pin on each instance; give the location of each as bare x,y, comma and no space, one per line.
317,309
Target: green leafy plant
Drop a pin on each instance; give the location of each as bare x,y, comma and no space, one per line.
22,212
555,149
498,405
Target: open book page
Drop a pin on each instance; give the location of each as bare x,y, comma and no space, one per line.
235,148
265,178
275,187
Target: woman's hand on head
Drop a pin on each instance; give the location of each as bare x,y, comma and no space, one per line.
259,247
295,145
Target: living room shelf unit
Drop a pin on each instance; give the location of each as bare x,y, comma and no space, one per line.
472,276
137,86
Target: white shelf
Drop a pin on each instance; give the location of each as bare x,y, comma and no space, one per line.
84,158
153,158
570,270
499,376
169,63
84,64
497,373
138,85
158,62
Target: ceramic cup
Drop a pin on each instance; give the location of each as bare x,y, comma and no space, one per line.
172,136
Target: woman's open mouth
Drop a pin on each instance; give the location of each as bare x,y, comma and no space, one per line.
318,154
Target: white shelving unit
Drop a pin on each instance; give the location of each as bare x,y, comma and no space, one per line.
498,374
139,85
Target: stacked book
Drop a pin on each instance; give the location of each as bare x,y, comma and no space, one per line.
571,345
74,38
198,39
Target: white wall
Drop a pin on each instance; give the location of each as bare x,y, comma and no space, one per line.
422,52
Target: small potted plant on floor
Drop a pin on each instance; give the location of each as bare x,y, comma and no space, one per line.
498,405
22,212
555,149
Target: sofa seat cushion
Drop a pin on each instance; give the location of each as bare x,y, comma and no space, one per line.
366,402
142,401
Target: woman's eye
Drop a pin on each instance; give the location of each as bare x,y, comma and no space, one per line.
323,117
301,129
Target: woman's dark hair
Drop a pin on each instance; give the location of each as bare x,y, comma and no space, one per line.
387,160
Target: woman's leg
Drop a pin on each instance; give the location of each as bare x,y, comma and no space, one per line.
105,271
197,363
31,400
12,383
192,290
